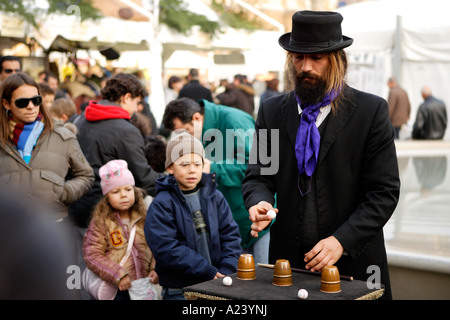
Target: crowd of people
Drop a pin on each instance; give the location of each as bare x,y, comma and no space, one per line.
102,168
66,133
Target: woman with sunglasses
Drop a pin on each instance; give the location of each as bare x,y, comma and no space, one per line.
43,162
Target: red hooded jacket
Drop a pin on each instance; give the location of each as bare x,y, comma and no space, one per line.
97,112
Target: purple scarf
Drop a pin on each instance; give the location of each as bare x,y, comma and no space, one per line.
307,143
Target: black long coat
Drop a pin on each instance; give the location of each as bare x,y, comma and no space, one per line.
357,181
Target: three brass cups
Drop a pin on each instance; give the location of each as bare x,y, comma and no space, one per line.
330,280
246,267
282,273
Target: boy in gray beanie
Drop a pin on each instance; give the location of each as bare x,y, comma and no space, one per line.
189,226
182,143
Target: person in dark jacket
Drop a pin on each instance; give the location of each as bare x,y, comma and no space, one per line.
339,182
431,119
36,261
194,89
189,226
105,133
236,97
271,90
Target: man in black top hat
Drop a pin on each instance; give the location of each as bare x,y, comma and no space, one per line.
338,183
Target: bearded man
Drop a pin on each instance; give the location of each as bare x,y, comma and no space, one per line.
338,182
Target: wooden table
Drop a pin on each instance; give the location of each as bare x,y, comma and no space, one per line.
262,288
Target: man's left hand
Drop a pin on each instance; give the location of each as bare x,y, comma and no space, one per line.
326,252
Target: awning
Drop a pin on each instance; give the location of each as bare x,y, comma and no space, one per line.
66,33
12,27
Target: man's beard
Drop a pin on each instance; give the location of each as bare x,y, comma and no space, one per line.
311,90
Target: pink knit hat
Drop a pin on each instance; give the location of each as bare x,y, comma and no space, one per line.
115,174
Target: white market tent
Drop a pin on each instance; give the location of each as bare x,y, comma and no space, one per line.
409,39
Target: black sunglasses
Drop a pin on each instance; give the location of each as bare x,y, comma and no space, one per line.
11,70
23,102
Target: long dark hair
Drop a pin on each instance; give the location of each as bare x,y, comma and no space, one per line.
10,85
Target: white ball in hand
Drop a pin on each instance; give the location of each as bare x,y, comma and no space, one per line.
302,294
227,281
272,214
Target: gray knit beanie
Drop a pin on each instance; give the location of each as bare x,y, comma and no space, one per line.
181,143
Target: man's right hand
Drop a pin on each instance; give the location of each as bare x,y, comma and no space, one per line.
258,215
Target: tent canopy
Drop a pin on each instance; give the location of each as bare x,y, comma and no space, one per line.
425,27
408,38
66,33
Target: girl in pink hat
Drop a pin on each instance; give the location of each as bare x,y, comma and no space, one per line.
106,240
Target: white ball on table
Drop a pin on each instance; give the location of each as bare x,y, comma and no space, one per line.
227,281
302,294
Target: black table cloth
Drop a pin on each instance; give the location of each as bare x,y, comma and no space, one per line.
262,288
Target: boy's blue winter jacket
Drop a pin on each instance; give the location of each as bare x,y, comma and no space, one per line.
169,231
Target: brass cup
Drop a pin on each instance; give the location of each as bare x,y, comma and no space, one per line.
282,273
246,267
330,280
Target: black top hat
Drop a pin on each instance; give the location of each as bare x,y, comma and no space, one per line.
315,32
